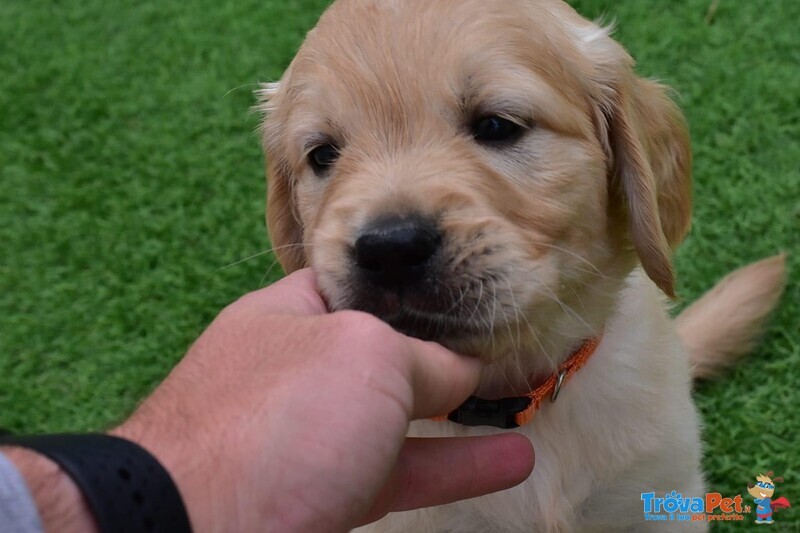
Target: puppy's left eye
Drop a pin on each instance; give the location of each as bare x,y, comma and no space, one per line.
495,130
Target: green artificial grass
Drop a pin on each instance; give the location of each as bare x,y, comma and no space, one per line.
130,177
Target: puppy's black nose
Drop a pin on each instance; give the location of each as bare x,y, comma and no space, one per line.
394,251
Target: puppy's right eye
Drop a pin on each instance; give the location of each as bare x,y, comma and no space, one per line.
495,130
322,158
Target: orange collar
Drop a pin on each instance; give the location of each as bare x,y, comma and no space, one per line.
513,412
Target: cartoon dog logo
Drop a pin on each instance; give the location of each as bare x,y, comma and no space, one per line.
762,491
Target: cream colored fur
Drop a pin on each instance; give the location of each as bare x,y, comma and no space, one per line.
725,323
565,234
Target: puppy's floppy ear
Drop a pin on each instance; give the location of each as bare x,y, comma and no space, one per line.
283,226
650,164
283,222
647,144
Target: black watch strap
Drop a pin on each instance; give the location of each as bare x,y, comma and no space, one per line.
126,488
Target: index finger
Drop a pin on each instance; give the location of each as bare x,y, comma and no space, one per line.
296,294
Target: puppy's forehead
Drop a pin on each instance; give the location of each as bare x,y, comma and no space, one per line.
392,59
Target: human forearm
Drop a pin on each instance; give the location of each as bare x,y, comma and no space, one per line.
61,505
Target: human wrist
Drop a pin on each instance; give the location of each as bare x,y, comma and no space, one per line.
189,463
60,504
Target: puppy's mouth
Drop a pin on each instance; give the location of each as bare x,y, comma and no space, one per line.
424,314
440,328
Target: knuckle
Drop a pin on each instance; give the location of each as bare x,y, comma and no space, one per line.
242,313
236,311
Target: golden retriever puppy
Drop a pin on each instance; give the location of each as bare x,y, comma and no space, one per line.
494,176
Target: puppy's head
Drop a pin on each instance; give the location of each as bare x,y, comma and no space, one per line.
472,175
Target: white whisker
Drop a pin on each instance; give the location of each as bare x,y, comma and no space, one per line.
259,254
240,87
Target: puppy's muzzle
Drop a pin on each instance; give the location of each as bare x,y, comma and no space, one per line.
395,252
402,272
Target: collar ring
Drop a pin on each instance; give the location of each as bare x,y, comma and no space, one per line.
559,382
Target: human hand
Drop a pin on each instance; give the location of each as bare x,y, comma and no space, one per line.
282,417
